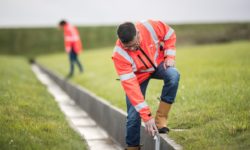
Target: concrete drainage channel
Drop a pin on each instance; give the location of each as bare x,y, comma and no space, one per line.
96,137
106,116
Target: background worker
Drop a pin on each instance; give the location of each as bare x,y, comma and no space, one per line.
73,45
143,51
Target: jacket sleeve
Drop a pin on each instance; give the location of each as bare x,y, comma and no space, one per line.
131,86
67,39
167,35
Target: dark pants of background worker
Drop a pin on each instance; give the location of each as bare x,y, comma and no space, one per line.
74,59
170,76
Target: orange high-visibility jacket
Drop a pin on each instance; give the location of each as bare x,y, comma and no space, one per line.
133,67
72,39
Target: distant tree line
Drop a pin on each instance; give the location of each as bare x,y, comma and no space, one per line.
37,41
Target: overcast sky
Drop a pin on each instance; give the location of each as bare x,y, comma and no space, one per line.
99,12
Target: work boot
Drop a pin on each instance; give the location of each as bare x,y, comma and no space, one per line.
162,116
133,148
70,75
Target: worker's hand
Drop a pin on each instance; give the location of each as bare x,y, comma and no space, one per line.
168,63
150,127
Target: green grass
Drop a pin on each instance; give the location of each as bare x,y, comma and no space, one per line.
29,117
213,97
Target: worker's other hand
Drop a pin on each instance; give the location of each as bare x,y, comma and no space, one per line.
168,63
150,127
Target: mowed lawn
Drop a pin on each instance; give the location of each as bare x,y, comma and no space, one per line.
213,101
29,116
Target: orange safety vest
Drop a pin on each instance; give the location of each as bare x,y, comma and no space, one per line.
133,67
72,39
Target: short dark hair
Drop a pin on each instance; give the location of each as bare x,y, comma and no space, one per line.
126,32
62,23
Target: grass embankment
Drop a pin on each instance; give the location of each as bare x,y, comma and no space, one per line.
29,117
213,98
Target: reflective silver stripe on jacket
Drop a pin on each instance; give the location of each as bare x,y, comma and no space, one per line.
151,30
155,57
169,52
170,32
71,38
125,55
140,106
127,76
148,70
153,34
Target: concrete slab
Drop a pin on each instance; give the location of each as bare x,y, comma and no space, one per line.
72,111
97,145
93,133
83,122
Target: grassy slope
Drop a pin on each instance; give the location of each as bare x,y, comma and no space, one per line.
212,101
29,117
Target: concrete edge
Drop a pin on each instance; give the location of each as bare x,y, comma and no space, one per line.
90,101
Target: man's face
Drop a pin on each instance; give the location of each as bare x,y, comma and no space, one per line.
134,44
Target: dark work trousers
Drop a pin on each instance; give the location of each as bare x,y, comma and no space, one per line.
74,59
170,77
